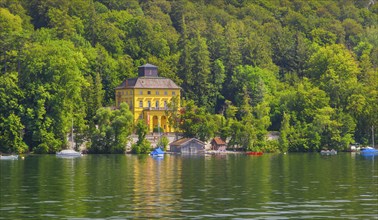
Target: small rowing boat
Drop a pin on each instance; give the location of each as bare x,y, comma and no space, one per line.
254,153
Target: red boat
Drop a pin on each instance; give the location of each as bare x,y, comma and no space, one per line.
253,153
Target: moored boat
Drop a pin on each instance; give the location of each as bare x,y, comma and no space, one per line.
9,157
369,151
158,152
328,152
68,153
254,153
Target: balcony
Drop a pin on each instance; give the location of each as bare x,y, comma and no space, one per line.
155,108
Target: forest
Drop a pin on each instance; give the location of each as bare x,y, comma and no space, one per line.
306,69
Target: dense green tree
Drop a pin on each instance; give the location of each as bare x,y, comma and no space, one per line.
256,51
352,30
239,137
11,35
313,63
107,67
10,94
261,122
163,142
216,81
131,5
197,85
282,41
285,126
173,114
11,128
291,50
232,43
112,130
190,119
54,96
11,134
249,131
93,95
196,122
64,25
296,21
335,71
257,82
142,146
308,98
214,35
322,37
335,130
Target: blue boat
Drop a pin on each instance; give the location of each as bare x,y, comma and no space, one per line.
369,151
158,152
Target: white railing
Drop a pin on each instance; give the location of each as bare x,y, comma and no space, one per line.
156,108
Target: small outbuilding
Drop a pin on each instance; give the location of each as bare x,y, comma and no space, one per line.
187,146
218,144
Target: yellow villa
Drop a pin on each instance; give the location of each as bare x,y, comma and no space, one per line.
148,96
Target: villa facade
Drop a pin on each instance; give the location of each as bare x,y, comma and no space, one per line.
148,96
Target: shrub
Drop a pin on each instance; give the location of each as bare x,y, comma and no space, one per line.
163,142
158,129
143,147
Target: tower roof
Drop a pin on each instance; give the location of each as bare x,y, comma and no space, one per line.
148,70
148,65
148,79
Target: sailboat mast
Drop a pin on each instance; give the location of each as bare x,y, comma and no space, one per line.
372,134
72,142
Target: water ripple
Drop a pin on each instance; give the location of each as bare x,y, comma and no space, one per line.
230,187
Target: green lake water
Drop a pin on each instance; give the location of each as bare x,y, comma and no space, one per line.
273,186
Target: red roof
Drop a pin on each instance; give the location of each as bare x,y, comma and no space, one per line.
219,141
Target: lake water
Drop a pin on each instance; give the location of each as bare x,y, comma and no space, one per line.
273,186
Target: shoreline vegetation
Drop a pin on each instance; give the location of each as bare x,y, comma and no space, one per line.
305,69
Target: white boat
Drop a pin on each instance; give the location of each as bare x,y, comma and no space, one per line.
68,153
10,157
328,152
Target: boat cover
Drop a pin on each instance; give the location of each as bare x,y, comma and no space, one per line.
157,151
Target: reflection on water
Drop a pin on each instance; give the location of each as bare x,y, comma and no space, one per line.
221,186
